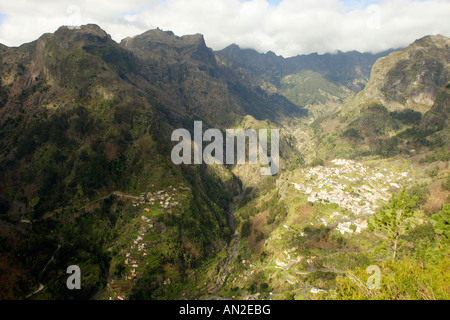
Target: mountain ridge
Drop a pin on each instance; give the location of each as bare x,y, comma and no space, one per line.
271,66
416,72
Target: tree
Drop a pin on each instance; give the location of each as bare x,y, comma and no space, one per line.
395,219
442,224
4,205
246,228
446,184
421,192
33,203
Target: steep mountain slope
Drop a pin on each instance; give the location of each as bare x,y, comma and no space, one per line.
312,90
436,119
398,110
64,90
85,127
350,69
411,78
202,88
82,123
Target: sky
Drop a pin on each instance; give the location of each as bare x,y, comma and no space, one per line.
286,27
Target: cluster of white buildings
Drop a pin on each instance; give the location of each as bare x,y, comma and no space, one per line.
140,245
358,224
138,248
331,185
165,198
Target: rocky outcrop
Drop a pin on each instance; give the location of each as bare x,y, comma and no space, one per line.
411,78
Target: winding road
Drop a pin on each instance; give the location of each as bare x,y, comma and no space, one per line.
292,264
41,286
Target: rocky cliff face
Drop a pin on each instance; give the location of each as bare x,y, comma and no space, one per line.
159,43
436,118
411,78
187,70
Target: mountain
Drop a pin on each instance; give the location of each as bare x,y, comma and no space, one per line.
82,120
320,83
85,120
374,157
188,72
436,119
411,78
86,176
402,109
155,44
350,69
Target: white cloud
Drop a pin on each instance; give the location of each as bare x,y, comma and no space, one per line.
290,28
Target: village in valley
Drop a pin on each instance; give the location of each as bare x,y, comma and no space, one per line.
356,188
353,191
346,194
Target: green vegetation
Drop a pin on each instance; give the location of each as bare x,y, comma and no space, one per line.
438,154
394,220
442,226
408,116
86,176
402,280
422,276
308,88
446,184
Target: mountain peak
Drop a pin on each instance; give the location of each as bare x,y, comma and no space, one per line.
438,41
411,77
85,32
85,29
170,45
158,36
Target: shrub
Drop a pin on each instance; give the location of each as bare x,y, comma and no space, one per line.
245,228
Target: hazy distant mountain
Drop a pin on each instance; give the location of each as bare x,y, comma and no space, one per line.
317,82
349,69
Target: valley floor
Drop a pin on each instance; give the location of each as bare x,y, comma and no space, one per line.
324,234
